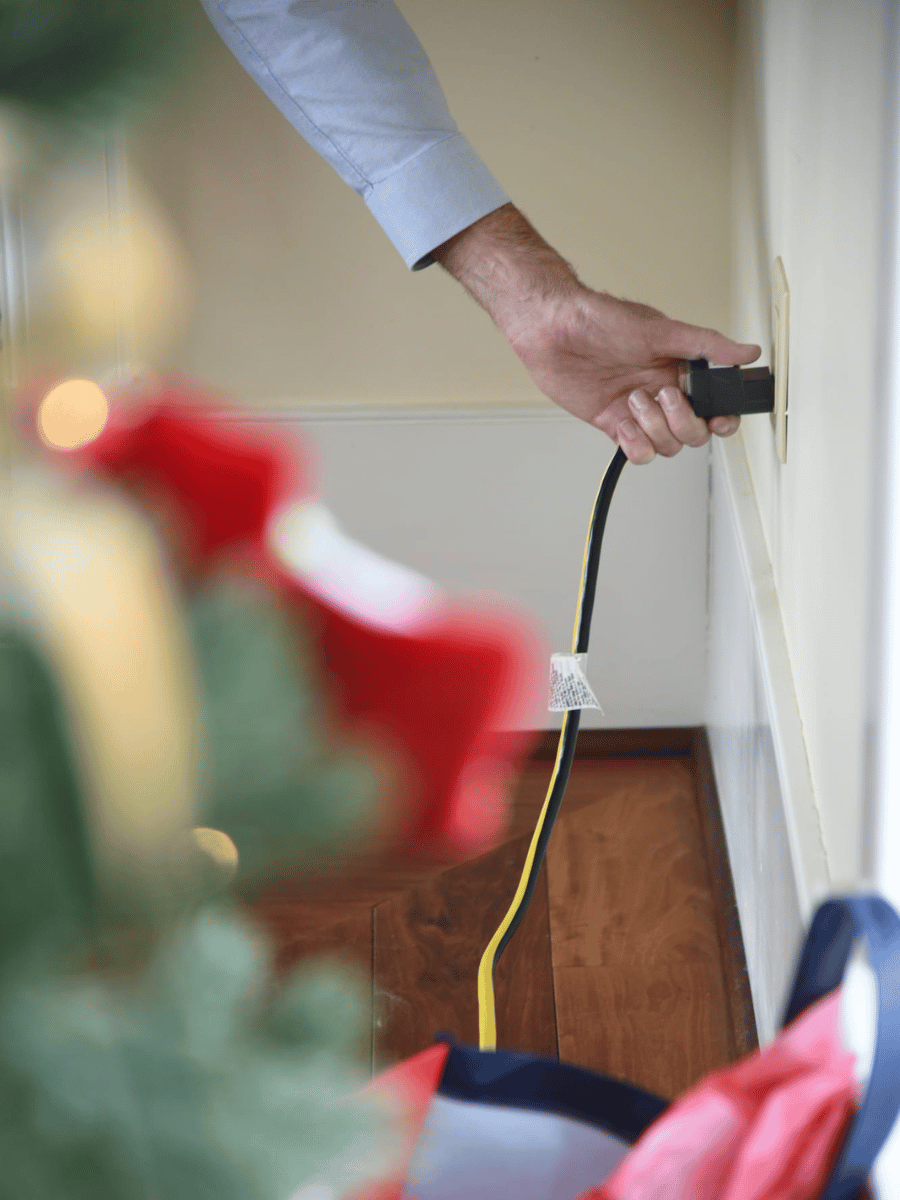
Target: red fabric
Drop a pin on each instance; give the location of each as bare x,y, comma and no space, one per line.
413,1084
769,1128
439,693
435,693
225,480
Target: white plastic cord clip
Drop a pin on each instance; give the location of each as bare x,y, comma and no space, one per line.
569,688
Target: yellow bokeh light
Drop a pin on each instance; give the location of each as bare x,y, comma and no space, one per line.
72,414
217,845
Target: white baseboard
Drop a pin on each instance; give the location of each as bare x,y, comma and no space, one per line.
778,858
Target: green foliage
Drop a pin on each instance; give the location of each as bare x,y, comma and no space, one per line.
47,884
272,782
187,1086
178,1069
88,62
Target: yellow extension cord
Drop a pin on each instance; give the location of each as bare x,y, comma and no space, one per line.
487,1020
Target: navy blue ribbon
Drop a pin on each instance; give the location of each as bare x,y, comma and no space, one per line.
823,962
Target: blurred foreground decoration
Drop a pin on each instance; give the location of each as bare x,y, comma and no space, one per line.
72,413
79,64
144,1048
94,279
427,679
205,687
109,288
111,283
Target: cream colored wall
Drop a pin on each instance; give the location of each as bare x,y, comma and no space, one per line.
808,186
606,120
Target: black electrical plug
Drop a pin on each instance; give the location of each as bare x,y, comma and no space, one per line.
727,391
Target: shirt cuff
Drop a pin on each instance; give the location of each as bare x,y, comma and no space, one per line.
433,196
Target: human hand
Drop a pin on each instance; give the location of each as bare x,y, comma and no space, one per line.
615,364
610,362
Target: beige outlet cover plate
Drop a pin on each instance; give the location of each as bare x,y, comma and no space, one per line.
781,310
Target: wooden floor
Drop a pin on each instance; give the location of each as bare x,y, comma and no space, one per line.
626,961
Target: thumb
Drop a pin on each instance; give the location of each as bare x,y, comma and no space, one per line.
677,340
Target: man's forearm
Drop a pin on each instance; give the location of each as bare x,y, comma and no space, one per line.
505,264
610,362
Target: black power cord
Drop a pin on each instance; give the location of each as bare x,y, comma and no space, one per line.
712,392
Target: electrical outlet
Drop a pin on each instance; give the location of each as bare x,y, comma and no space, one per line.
781,310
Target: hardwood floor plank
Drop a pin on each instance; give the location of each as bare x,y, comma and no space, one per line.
636,979
531,789
656,1026
303,930
428,943
365,880
306,931
637,968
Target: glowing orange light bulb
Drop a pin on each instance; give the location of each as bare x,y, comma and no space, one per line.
72,414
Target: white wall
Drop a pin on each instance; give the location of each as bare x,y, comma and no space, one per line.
802,694
772,823
809,186
499,506
882,815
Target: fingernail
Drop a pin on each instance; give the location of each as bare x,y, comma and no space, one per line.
641,403
668,397
628,428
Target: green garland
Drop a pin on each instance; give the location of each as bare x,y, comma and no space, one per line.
188,1086
47,879
272,782
80,63
180,1069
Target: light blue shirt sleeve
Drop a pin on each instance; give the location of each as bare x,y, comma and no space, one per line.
354,80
